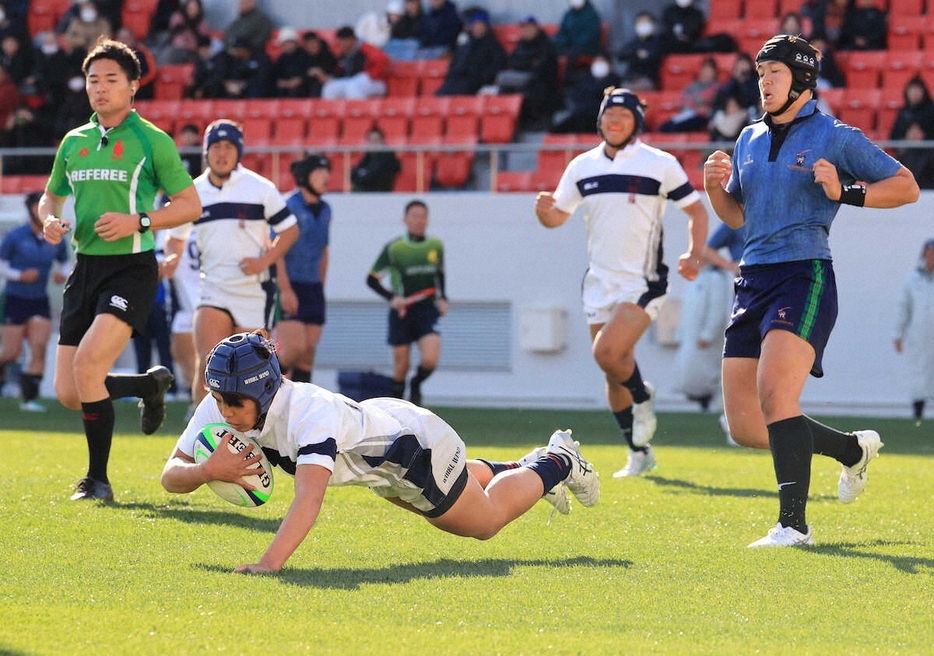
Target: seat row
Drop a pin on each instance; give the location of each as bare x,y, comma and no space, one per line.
754,9
322,123
44,15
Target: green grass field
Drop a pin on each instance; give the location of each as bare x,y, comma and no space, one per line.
658,566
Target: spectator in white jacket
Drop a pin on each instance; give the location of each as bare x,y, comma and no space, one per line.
914,330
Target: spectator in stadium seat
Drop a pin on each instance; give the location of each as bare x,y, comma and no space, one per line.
147,62
189,136
682,26
919,161
833,15
251,25
696,104
476,61
378,168
640,57
440,27
532,70
579,34
729,120
918,108
914,330
405,24
9,96
186,25
320,61
239,73
291,65
830,74
582,101
16,59
791,24
13,19
405,454
27,128
361,69
865,27
240,211
742,84
56,63
814,10
205,68
85,28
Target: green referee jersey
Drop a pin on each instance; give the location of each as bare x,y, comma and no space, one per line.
413,265
123,175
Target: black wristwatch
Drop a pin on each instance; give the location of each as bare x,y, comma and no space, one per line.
145,223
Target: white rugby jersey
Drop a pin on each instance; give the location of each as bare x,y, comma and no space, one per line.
307,424
234,224
623,204
187,278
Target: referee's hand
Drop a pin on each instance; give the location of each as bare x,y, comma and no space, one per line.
116,225
54,228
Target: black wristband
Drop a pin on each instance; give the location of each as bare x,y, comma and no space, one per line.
854,194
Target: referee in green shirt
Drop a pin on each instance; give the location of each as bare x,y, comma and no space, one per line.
114,165
417,300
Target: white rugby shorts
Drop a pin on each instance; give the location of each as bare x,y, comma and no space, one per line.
603,291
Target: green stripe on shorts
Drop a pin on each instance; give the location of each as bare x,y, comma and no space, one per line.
812,304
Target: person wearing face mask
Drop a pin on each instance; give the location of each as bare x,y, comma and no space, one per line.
682,26
578,36
582,100
87,26
641,56
623,187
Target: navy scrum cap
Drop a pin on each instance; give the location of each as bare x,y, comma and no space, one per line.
224,130
623,98
800,56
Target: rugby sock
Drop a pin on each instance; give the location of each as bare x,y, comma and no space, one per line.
636,386
918,407
552,468
499,467
123,385
98,418
29,384
842,447
300,375
792,445
624,419
397,389
421,375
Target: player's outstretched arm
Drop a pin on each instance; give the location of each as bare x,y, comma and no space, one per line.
181,474
311,482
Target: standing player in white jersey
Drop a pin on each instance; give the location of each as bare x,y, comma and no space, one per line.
184,292
240,206
623,186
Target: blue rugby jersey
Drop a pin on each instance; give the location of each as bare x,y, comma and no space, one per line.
303,260
787,214
23,250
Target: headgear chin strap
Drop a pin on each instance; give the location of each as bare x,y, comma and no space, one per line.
797,54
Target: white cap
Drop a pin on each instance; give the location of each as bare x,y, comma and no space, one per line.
395,7
287,34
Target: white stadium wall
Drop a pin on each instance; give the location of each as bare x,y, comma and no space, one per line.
514,290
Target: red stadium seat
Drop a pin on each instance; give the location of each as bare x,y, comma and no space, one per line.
509,34
859,108
291,125
886,113
324,123
463,118
428,118
512,181
196,112
394,119
161,113
433,72
759,9
904,32
864,68
834,98
172,80
906,8
359,117
725,10
900,66
231,108
43,15
404,78
499,117
453,169
678,71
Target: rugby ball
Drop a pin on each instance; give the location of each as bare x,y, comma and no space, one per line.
205,444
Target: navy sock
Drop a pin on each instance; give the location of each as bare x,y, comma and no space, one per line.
498,467
792,446
624,420
123,385
421,374
636,386
842,447
552,469
98,418
300,375
29,384
397,389
917,408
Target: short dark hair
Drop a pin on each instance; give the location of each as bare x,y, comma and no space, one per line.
116,51
415,203
346,32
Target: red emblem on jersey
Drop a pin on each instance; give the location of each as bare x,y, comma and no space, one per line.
83,152
118,150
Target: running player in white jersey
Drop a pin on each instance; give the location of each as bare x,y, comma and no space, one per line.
623,186
402,452
240,206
